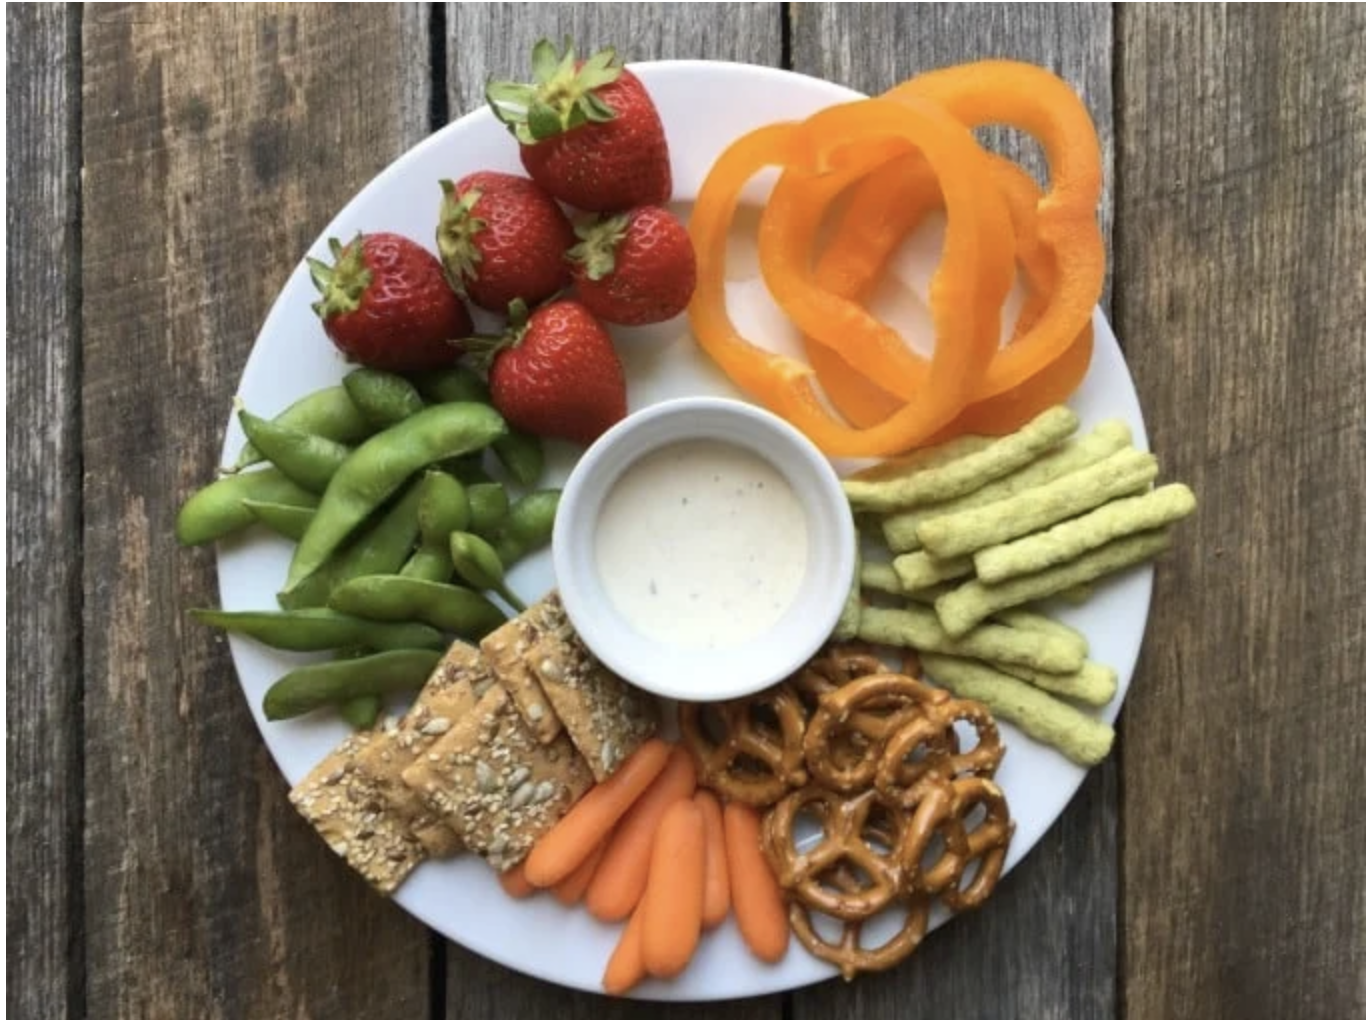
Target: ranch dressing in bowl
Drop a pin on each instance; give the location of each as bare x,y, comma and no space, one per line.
701,544
703,548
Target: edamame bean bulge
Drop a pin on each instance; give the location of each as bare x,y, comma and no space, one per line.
528,525
217,510
314,686
306,459
329,412
455,385
381,465
489,504
479,565
394,598
384,398
287,521
443,509
521,455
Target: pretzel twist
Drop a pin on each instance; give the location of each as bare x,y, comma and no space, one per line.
755,763
845,845
883,703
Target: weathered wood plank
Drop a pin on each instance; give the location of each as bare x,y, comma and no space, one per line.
43,502
495,40
1242,249
1045,944
218,140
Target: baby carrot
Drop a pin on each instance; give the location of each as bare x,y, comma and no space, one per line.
675,897
623,873
625,968
757,901
562,850
570,890
716,865
515,883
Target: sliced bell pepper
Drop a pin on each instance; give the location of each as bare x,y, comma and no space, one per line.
1040,103
838,141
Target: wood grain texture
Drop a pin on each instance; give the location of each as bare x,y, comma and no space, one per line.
1044,946
43,503
1242,238
488,40
218,141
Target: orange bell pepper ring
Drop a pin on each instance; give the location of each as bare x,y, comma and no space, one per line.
847,141
1040,103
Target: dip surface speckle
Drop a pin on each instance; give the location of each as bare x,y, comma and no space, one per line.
701,544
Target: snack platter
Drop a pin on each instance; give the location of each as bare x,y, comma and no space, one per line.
570,738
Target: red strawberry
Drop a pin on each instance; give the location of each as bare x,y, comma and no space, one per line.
635,268
386,304
556,373
502,237
589,133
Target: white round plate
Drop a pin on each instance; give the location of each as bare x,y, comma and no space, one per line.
704,106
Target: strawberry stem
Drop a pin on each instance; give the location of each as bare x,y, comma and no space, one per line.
561,97
342,284
599,241
456,236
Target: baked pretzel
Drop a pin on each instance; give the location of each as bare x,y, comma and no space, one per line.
986,844
852,843
760,756
882,704
933,743
849,955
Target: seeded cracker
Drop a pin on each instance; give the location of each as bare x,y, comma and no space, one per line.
450,694
504,650
339,799
606,718
492,781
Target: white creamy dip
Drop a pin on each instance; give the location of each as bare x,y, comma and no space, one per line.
701,544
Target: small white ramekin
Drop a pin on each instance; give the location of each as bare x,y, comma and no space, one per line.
705,675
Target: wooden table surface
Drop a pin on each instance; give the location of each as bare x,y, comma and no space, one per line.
169,165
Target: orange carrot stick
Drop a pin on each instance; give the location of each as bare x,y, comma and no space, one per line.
623,873
562,850
516,884
625,968
675,897
757,900
570,890
716,907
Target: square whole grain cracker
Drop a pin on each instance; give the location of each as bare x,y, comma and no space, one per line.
492,780
504,650
342,802
450,694
606,718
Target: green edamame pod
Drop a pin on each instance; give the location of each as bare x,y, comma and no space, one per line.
287,521
443,509
329,412
455,385
468,470
381,465
490,504
384,398
316,630
394,598
306,459
334,683
380,548
479,565
217,509
522,456
361,713
528,525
